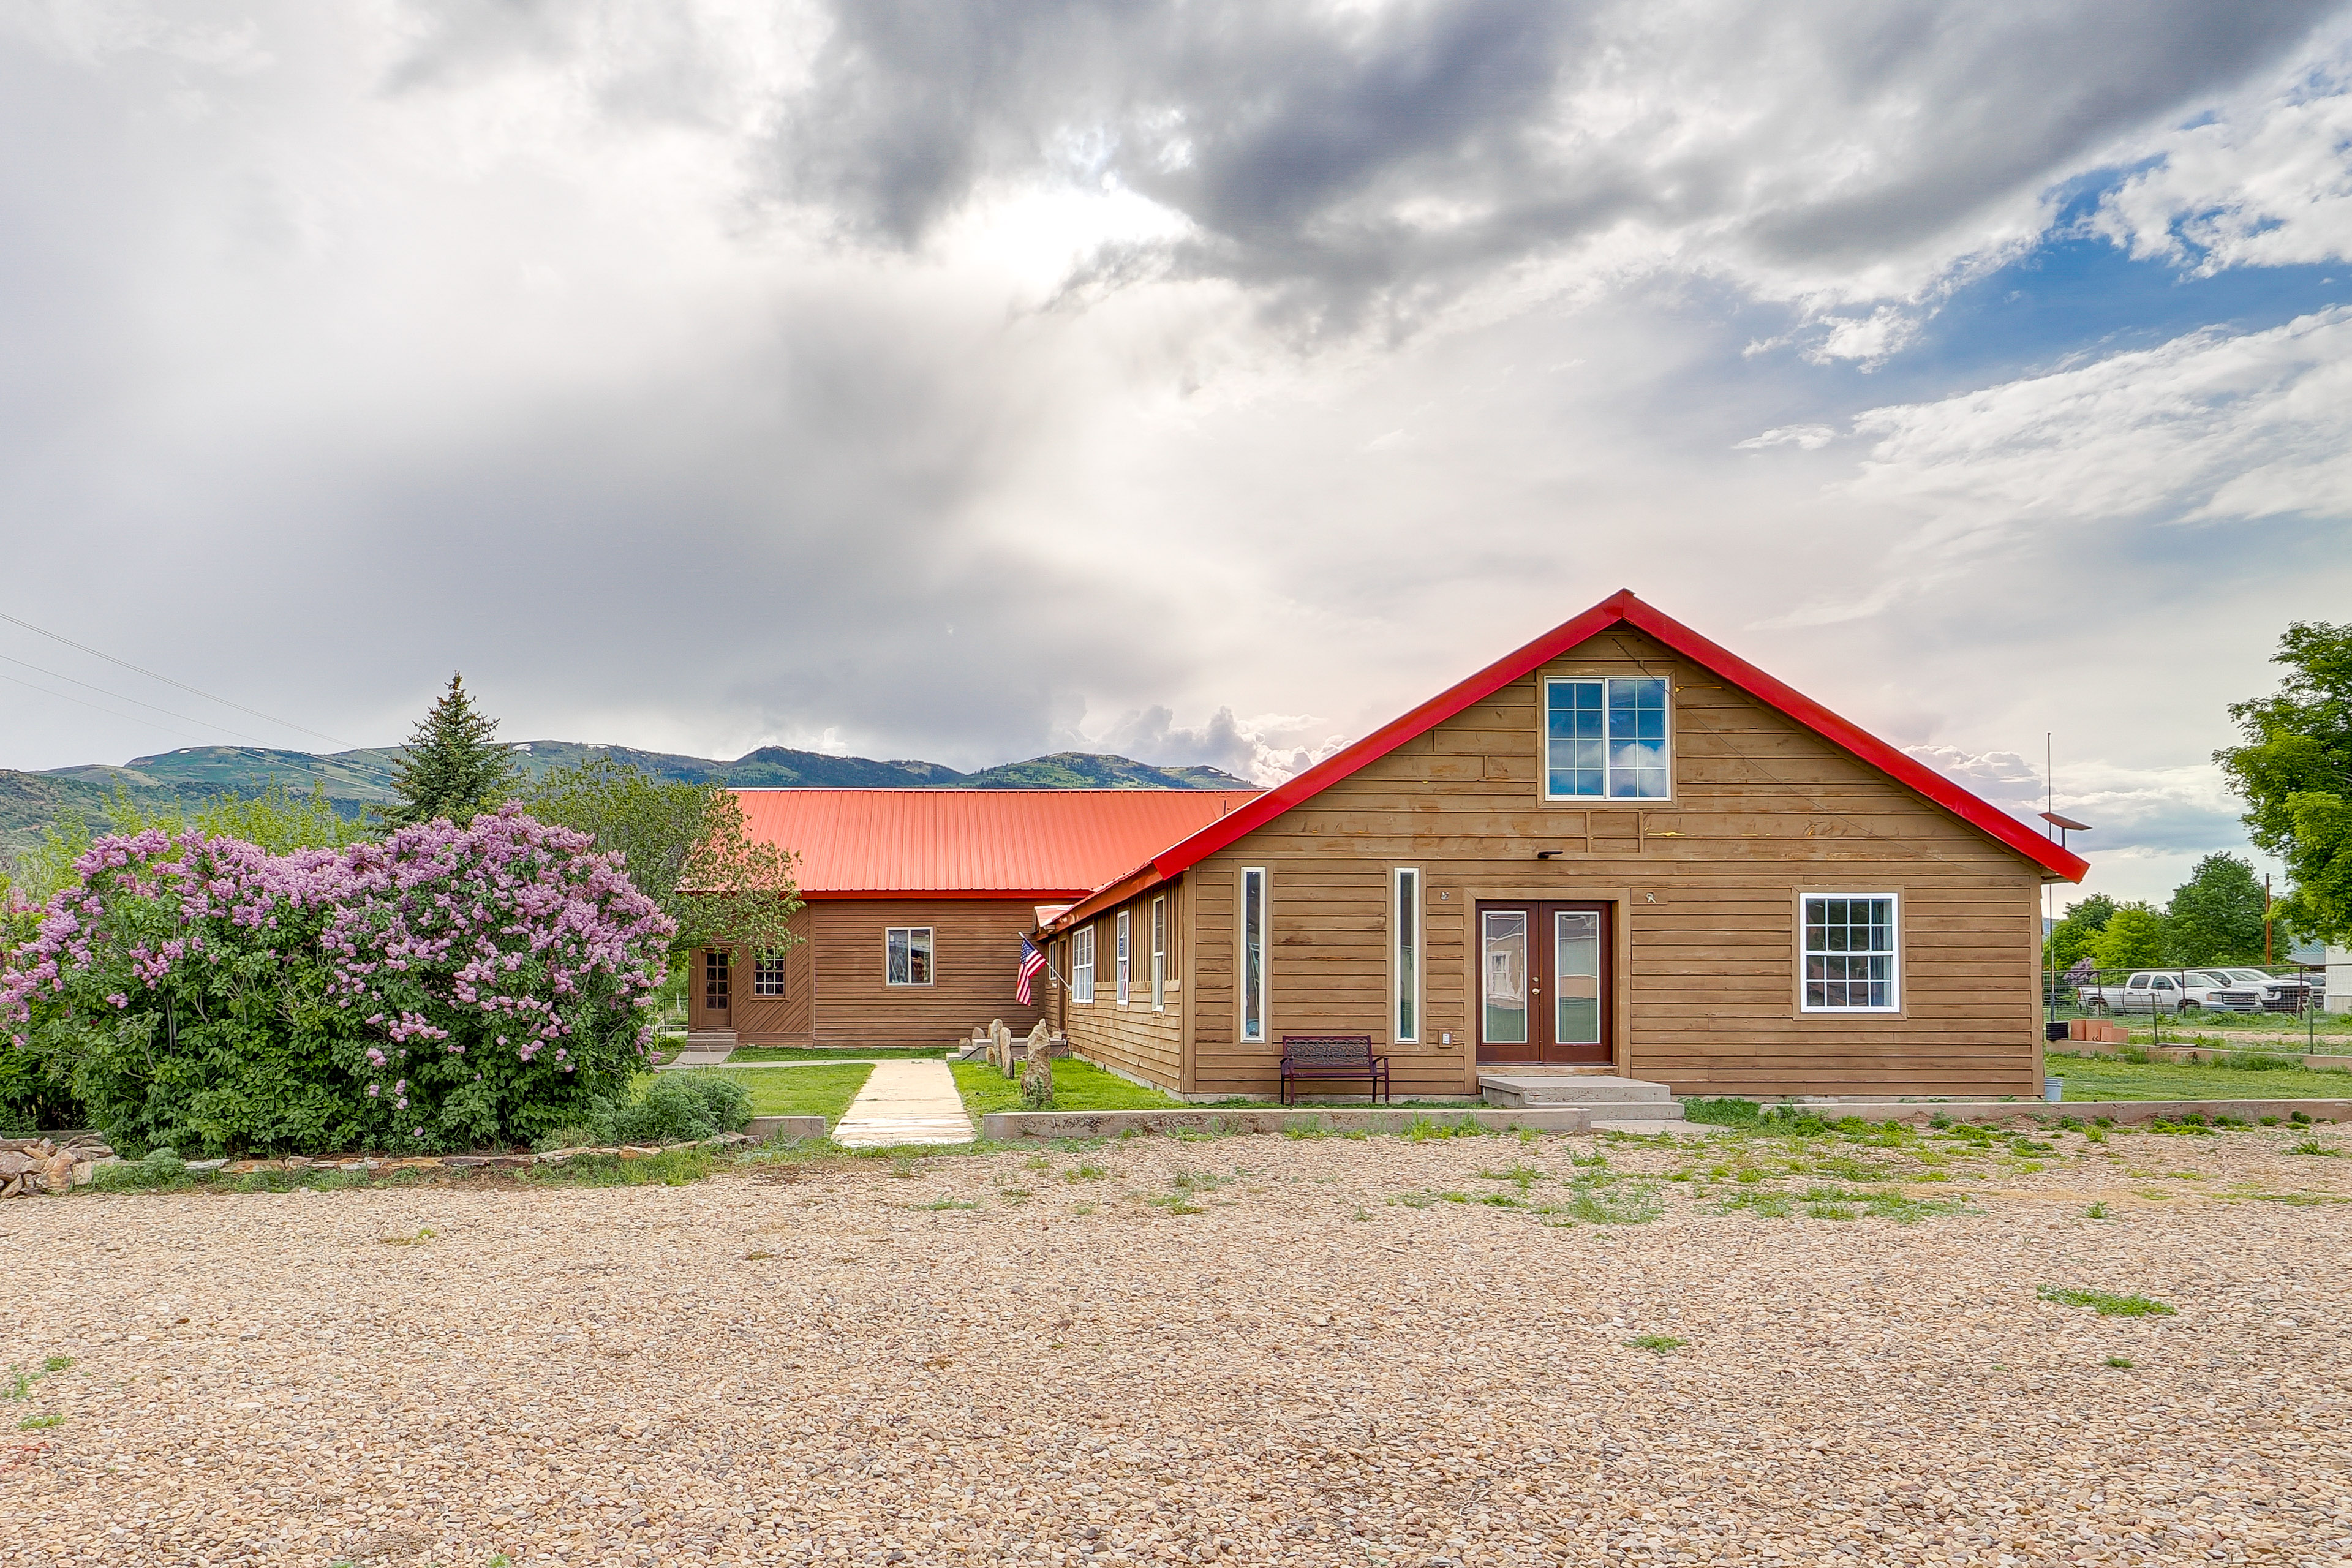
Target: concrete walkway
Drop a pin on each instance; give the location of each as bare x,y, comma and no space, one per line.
905,1102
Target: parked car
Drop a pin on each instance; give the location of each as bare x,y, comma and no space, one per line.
2250,991
2148,990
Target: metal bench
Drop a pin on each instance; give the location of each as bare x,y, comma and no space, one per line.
1331,1056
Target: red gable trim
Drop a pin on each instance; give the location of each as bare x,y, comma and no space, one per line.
1622,607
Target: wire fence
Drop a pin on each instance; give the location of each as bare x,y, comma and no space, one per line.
2272,1001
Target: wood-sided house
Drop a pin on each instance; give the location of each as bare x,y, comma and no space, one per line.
916,902
1620,847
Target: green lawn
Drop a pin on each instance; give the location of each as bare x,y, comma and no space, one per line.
1077,1085
2104,1077
825,1090
826,1054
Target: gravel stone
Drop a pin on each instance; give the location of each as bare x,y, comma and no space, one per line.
1247,1350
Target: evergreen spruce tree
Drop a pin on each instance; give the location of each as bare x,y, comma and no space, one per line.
455,766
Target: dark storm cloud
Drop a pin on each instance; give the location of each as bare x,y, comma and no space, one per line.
1363,150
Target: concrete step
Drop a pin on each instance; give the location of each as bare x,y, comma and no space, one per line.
1630,1096
1646,1128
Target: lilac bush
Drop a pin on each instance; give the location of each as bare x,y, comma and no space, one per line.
448,987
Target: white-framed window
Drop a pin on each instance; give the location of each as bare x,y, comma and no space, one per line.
1159,955
1607,740
1253,944
907,955
1082,964
1126,965
768,973
1850,953
1405,956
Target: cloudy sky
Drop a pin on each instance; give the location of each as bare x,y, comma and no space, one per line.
1205,382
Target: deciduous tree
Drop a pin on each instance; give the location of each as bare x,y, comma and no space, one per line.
2216,916
2294,774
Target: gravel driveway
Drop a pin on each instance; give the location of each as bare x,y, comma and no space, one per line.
1340,1355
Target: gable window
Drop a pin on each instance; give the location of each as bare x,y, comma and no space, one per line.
1849,960
908,956
1253,938
716,964
1124,967
1082,964
768,973
1158,953
1606,738
1405,1024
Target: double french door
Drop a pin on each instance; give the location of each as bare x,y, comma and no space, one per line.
1543,983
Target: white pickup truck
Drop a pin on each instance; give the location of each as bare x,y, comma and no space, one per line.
2194,990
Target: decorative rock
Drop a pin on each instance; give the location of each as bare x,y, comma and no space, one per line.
57,1173
199,1166
14,1163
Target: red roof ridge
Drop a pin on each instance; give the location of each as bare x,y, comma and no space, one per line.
1622,607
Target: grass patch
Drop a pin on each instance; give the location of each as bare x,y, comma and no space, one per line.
1628,1204
1425,1199
670,1168
938,1206
2314,1146
1077,1085
2105,1303
2096,1211
1660,1344
1085,1174
2120,1362
39,1422
2107,1078
421,1235
823,1091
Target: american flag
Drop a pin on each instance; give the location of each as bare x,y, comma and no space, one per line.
1033,959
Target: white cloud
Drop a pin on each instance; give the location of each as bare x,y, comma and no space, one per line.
2209,427
1266,749
1805,438
2267,184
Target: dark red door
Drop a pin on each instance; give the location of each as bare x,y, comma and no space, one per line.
1543,983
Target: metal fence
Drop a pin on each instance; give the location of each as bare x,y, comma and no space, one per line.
2219,989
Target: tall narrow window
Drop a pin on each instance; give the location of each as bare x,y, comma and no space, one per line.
717,961
1125,966
1158,953
1253,935
1606,738
768,973
1406,1025
1082,964
907,955
1850,959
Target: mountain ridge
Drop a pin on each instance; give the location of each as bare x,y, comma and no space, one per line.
354,781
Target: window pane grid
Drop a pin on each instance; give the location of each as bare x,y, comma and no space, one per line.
1848,954
1606,738
768,975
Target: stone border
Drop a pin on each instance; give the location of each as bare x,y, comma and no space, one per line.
61,1161
1003,1126
767,1129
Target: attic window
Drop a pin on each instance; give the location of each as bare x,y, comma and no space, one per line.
1606,738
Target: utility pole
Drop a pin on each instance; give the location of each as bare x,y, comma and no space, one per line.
2266,919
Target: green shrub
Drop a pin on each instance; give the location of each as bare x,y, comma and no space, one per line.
677,1108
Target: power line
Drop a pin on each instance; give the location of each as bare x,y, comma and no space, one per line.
102,691
151,675
133,718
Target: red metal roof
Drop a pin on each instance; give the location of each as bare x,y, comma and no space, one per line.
1624,607
975,843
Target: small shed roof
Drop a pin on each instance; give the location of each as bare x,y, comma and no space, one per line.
1037,844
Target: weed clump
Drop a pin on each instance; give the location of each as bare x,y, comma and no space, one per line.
2105,1303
